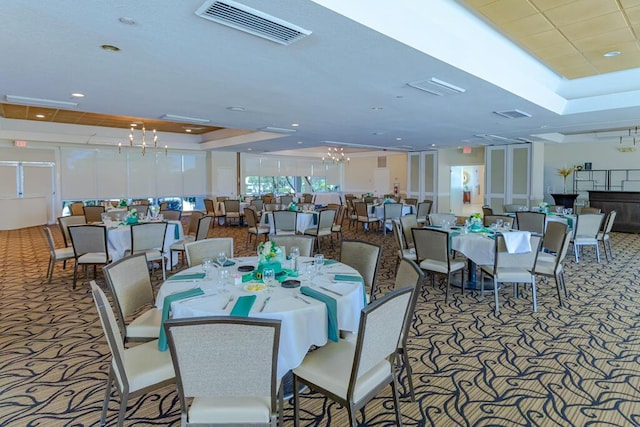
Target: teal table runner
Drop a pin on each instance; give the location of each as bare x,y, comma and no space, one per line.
332,310
176,231
243,306
188,276
166,308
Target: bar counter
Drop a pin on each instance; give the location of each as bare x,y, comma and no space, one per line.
625,203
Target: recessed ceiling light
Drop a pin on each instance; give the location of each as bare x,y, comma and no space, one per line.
40,116
612,53
236,109
188,130
377,108
110,48
295,125
128,21
398,139
134,125
77,95
300,142
433,145
249,149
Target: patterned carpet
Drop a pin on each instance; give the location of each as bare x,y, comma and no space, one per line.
573,366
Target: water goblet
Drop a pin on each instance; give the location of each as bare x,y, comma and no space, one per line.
221,258
224,276
294,254
318,262
207,266
499,224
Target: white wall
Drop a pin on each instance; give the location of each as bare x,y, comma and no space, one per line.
223,173
359,174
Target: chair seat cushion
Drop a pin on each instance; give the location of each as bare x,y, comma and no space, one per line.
546,257
152,254
319,233
147,325
259,230
178,246
509,274
145,365
65,253
329,367
94,258
545,268
440,266
230,410
584,240
336,228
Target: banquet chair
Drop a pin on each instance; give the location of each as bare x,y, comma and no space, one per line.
130,286
93,213
255,229
365,258
226,369
171,215
408,223
65,221
164,206
194,220
507,221
202,232
285,200
531,221
336,228
148,238
351,212
433,254
232,211
222,198
408,275
556,208
304,243
424,209
285,222
77,208
411,201
258,204
391,211
439,219
401,250
271,207
134,371
89,247
325,223
352,372
487,211
512,208
603,236
552,240
589,210
553,266
363,216
307,198
369,199
55,255
512,268
141,208
208,248
586,233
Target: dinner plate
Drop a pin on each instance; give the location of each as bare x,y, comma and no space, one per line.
246,268
291,283
255,287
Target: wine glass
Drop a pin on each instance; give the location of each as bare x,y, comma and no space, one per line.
294,254
222,258
318,262
207,266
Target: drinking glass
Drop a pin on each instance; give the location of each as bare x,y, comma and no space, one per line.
207,266
318,262
499,224
222,258
269,277
294,254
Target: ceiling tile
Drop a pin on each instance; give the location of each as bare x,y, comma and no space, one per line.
544,40
531,24
580,10
479,3
549,4
503,11
606,42
629,3
549,53
633,13
593,26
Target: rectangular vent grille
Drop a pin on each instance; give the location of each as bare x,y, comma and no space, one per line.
382,161
513,114
436,87
252,21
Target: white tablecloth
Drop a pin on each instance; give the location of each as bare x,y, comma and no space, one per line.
119,239
475,246
304,220
303,325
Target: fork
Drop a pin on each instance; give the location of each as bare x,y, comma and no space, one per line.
228,302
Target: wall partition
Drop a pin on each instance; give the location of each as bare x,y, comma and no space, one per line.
422,176
508,175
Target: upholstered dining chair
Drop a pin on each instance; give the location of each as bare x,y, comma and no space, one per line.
433,254
254,229
531,221
408,223
353,372
552,266
93,213
130,286
202,231
285,222
603,235
589,210
411,201
171,215
133,371
552,240
77,208
507,220
258,204
208,248
325,224
363,215
408,275
56,254
304,243
513,268
513,207
285,200
89,247
212,208
392,211
487,211
235,386
365,258
194,220
336,228
402,251
232,211
148,238
586,233
424,209
65,221
441,218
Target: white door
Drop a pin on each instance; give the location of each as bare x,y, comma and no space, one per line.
507,175
38,181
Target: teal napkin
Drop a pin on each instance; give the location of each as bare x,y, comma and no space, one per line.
226,263
348,278
243,306
332,310
569,220
330,261
451,236
247,277
315,219
166,307
191,276
266,218
176,231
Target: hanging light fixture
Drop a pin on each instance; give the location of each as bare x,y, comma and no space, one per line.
632,137
143,142
336,156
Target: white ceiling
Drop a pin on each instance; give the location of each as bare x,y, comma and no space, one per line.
359,56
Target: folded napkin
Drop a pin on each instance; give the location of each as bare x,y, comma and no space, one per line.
166,307
315,219
347,278
332,310
176,231
243,306
266,218
517,242
226,263
189,276
330,261
247,277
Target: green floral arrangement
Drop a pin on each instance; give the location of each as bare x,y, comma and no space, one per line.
475,216
292,207
476,221
269,250
122,203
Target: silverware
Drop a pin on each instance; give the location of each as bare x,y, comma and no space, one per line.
264,304
301,299
332,291
228,302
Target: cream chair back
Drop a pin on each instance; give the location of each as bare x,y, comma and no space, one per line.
408,222
531,221
285,222
441,218
204,223
305,243
208,248
193,222
554,236
65,221
148,236
171,215
93,213
365,258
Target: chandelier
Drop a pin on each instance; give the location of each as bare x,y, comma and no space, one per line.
336,156
143,141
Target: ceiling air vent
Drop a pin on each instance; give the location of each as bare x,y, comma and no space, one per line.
252,21
436,87
382,161
513,114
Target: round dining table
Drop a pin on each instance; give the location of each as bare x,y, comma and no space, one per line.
304,318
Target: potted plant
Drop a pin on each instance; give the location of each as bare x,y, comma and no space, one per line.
565,199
